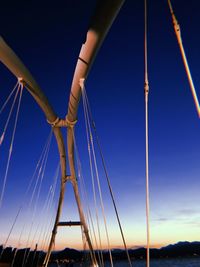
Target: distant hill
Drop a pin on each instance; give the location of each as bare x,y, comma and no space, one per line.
181,249
67,253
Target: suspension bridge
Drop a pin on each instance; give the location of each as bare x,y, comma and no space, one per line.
44,236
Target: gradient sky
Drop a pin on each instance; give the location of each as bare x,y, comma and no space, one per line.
47,37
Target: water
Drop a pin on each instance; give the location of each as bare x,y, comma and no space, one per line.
190,262
194,262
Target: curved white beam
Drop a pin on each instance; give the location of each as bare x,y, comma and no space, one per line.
104,15
15,65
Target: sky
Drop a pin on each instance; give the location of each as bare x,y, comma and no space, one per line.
48,37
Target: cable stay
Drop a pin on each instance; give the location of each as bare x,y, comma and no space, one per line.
45,209
47,235
37,195
8,98
89,136
89,216
48,205
11,229
22,204
93,155
11,110
19,90
177,31
146,93
88,213
39,165
90,118
91,228
107,178
42,172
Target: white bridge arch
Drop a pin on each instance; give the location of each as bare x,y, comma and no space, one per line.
104,15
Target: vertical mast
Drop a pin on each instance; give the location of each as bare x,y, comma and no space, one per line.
146,92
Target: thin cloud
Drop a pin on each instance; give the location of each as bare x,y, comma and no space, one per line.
187,212
162,219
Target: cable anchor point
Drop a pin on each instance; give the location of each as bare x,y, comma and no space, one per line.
82,83
54,123
21,81
69,123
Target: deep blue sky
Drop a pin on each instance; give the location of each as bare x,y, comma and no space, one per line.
48,36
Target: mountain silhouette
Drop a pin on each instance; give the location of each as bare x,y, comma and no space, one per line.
180,249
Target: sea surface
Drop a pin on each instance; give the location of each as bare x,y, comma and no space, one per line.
189,262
